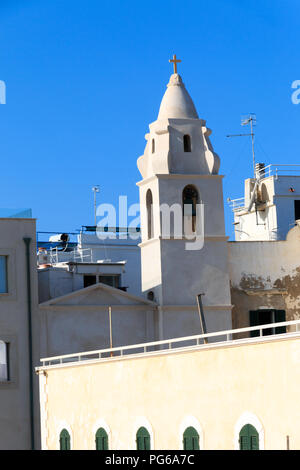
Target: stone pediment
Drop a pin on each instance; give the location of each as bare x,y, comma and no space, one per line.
98,295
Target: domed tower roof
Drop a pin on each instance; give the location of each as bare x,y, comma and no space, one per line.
177,103
178,141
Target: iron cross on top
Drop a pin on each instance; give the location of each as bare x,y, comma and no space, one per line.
175,62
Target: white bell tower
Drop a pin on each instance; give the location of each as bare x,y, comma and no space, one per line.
180,169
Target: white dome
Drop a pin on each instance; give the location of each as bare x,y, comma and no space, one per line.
177,103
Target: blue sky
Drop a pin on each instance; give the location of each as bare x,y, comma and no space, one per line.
85,78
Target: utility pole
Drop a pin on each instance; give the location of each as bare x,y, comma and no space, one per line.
201,316
96,190
110,331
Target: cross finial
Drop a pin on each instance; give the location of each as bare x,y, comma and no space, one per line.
175,62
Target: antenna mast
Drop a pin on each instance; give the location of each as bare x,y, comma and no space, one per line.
95,190
249,119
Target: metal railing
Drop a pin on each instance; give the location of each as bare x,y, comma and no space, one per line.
273,169
236,204
58,255
156,346
82,255
279,170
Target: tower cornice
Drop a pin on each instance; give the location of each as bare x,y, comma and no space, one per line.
177,176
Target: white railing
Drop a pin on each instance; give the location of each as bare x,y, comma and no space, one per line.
236,204
265,172
82,255
279,170
156,346
58,255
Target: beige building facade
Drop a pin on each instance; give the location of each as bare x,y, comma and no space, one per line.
217,389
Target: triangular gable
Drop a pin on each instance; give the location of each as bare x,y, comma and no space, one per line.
98,294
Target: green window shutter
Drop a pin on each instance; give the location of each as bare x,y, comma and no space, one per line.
101,439
64,440
244,443
254,321
142,439
279,317
191,439
249,439
254,443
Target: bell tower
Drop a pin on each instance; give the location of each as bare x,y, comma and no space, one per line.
184,247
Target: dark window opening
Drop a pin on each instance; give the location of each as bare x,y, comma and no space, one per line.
153,145
149,206
264,317
189,200
297,210
113,281
150,295
89,280
187,147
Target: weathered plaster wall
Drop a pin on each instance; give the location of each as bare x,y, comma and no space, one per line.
265,274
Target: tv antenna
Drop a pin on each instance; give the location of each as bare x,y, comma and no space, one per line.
250,119
95,190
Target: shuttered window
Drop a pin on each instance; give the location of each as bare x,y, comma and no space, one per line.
249,439
101,439
191,439
142,439
64,440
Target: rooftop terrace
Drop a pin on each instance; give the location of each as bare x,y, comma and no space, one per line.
217,339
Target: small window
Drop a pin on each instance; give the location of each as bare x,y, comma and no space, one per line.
142,439
64,440
89,280
191,439
248,438
149,206
153,145
4,363
113,281
101,439
190,200
150,295
3,275
187,143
